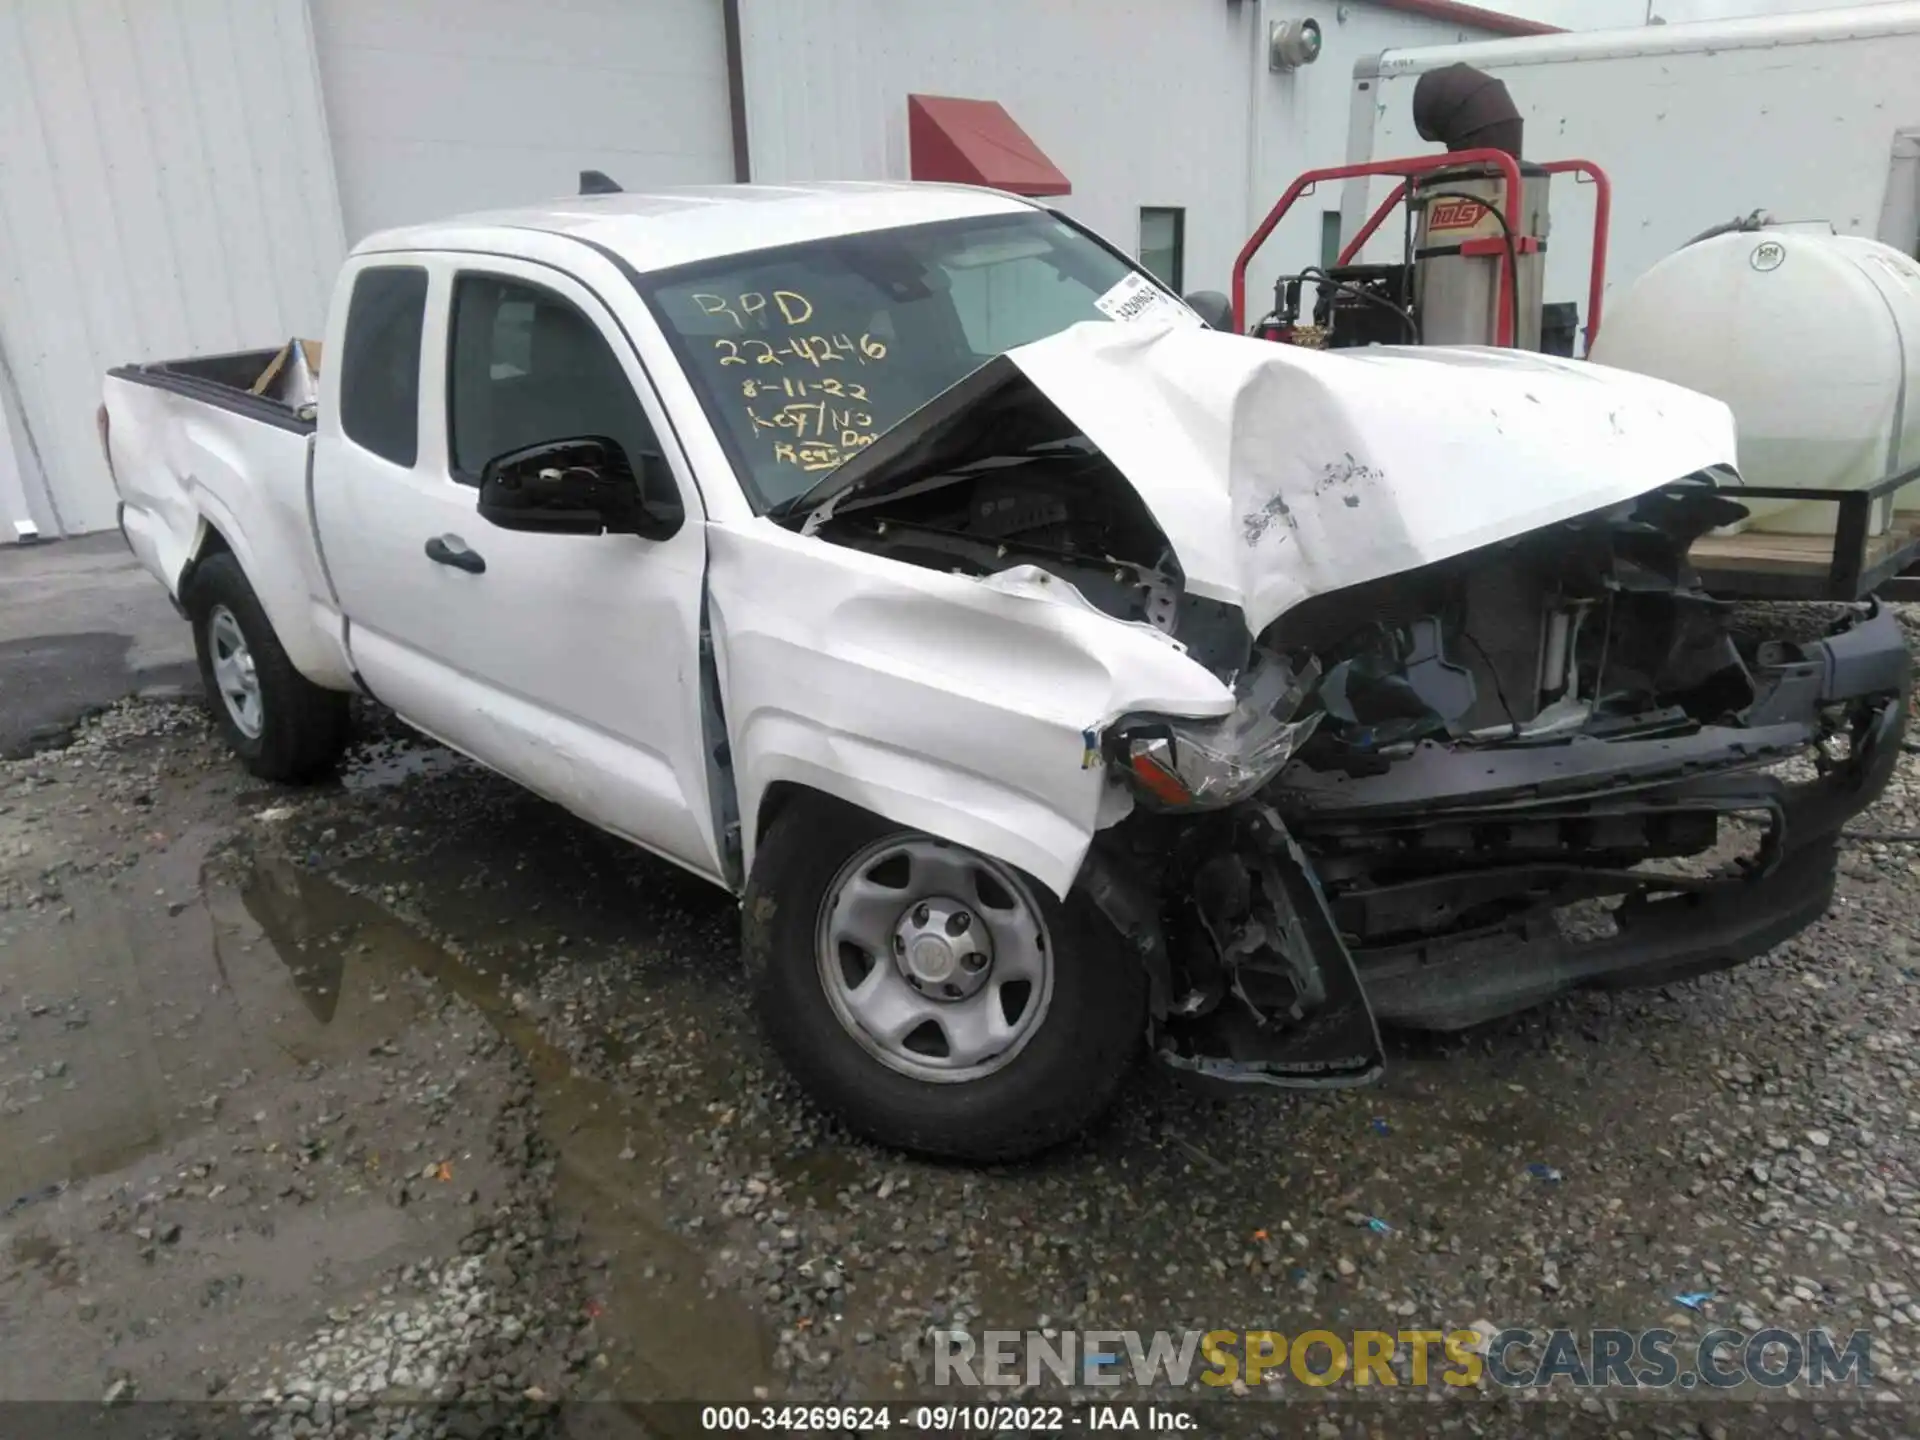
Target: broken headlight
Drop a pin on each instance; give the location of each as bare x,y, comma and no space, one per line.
1206,764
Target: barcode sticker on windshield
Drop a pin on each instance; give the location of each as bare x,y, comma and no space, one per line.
1136,298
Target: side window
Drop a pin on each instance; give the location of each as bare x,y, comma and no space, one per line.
380,369
1163,245
524,367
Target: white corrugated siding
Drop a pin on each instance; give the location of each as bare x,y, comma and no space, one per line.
444,106
1140,102
165,190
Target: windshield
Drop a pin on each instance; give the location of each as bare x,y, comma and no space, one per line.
802,355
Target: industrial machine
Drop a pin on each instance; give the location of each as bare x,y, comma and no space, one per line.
1473,261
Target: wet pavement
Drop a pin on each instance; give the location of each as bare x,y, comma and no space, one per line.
314,999
81,626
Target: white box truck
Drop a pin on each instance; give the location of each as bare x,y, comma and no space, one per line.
1810,117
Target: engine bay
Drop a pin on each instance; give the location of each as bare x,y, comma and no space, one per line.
1023,487
1593,628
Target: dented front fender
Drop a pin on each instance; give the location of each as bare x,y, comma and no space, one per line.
953,707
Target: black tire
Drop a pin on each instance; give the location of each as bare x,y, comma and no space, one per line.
303,728
1062,1079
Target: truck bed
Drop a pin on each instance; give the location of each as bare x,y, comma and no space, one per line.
196,456
221,380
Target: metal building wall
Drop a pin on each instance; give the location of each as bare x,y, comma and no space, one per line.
1306,120
1140,102
444,106
166,189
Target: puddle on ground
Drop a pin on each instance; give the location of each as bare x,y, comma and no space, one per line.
386,763
570,890
103,991
671,1338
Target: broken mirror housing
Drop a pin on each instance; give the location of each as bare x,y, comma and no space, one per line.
1182,764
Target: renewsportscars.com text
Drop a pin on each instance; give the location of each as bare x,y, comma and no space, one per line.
1511,1359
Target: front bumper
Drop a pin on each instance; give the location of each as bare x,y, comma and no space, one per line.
1664,930
1467,824
1659,938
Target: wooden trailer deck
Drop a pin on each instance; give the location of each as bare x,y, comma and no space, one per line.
1849,564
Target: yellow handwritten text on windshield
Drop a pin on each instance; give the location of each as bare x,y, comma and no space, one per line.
813,417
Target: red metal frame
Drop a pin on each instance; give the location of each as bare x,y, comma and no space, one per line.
1602,227
1422,164
1355,245
1405,169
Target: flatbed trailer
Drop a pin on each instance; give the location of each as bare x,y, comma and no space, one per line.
1849,564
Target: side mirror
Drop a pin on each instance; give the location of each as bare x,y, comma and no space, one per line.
1212,307
582,486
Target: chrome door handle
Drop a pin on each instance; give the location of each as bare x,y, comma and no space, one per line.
451,550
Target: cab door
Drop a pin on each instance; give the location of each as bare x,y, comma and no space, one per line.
567,662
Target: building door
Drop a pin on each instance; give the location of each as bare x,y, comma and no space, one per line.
167,193
438,107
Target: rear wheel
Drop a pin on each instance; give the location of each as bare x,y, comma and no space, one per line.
935,998
282,725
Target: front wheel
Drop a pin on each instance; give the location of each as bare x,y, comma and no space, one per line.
935,998
281,724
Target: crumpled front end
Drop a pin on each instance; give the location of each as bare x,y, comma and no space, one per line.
1280,473
1481,737
1273,474
1551,764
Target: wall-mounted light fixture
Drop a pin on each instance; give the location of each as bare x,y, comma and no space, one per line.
1292,43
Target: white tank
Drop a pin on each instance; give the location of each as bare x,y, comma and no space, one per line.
1812,338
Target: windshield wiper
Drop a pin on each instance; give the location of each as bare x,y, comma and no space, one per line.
1039,450
793,504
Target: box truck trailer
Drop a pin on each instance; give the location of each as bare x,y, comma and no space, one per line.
1810,117
1757,242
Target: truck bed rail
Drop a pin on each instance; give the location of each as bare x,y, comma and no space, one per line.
220,380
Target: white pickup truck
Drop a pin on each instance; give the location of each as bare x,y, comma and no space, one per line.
1043,668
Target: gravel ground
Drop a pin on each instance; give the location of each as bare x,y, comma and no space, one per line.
319,998
252,1154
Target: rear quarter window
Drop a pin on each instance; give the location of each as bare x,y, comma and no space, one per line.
380,362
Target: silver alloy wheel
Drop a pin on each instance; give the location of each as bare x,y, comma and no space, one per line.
934,958
233,673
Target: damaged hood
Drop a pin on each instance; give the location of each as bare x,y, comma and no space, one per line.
1278,473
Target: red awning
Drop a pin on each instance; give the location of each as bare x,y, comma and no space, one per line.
975,142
